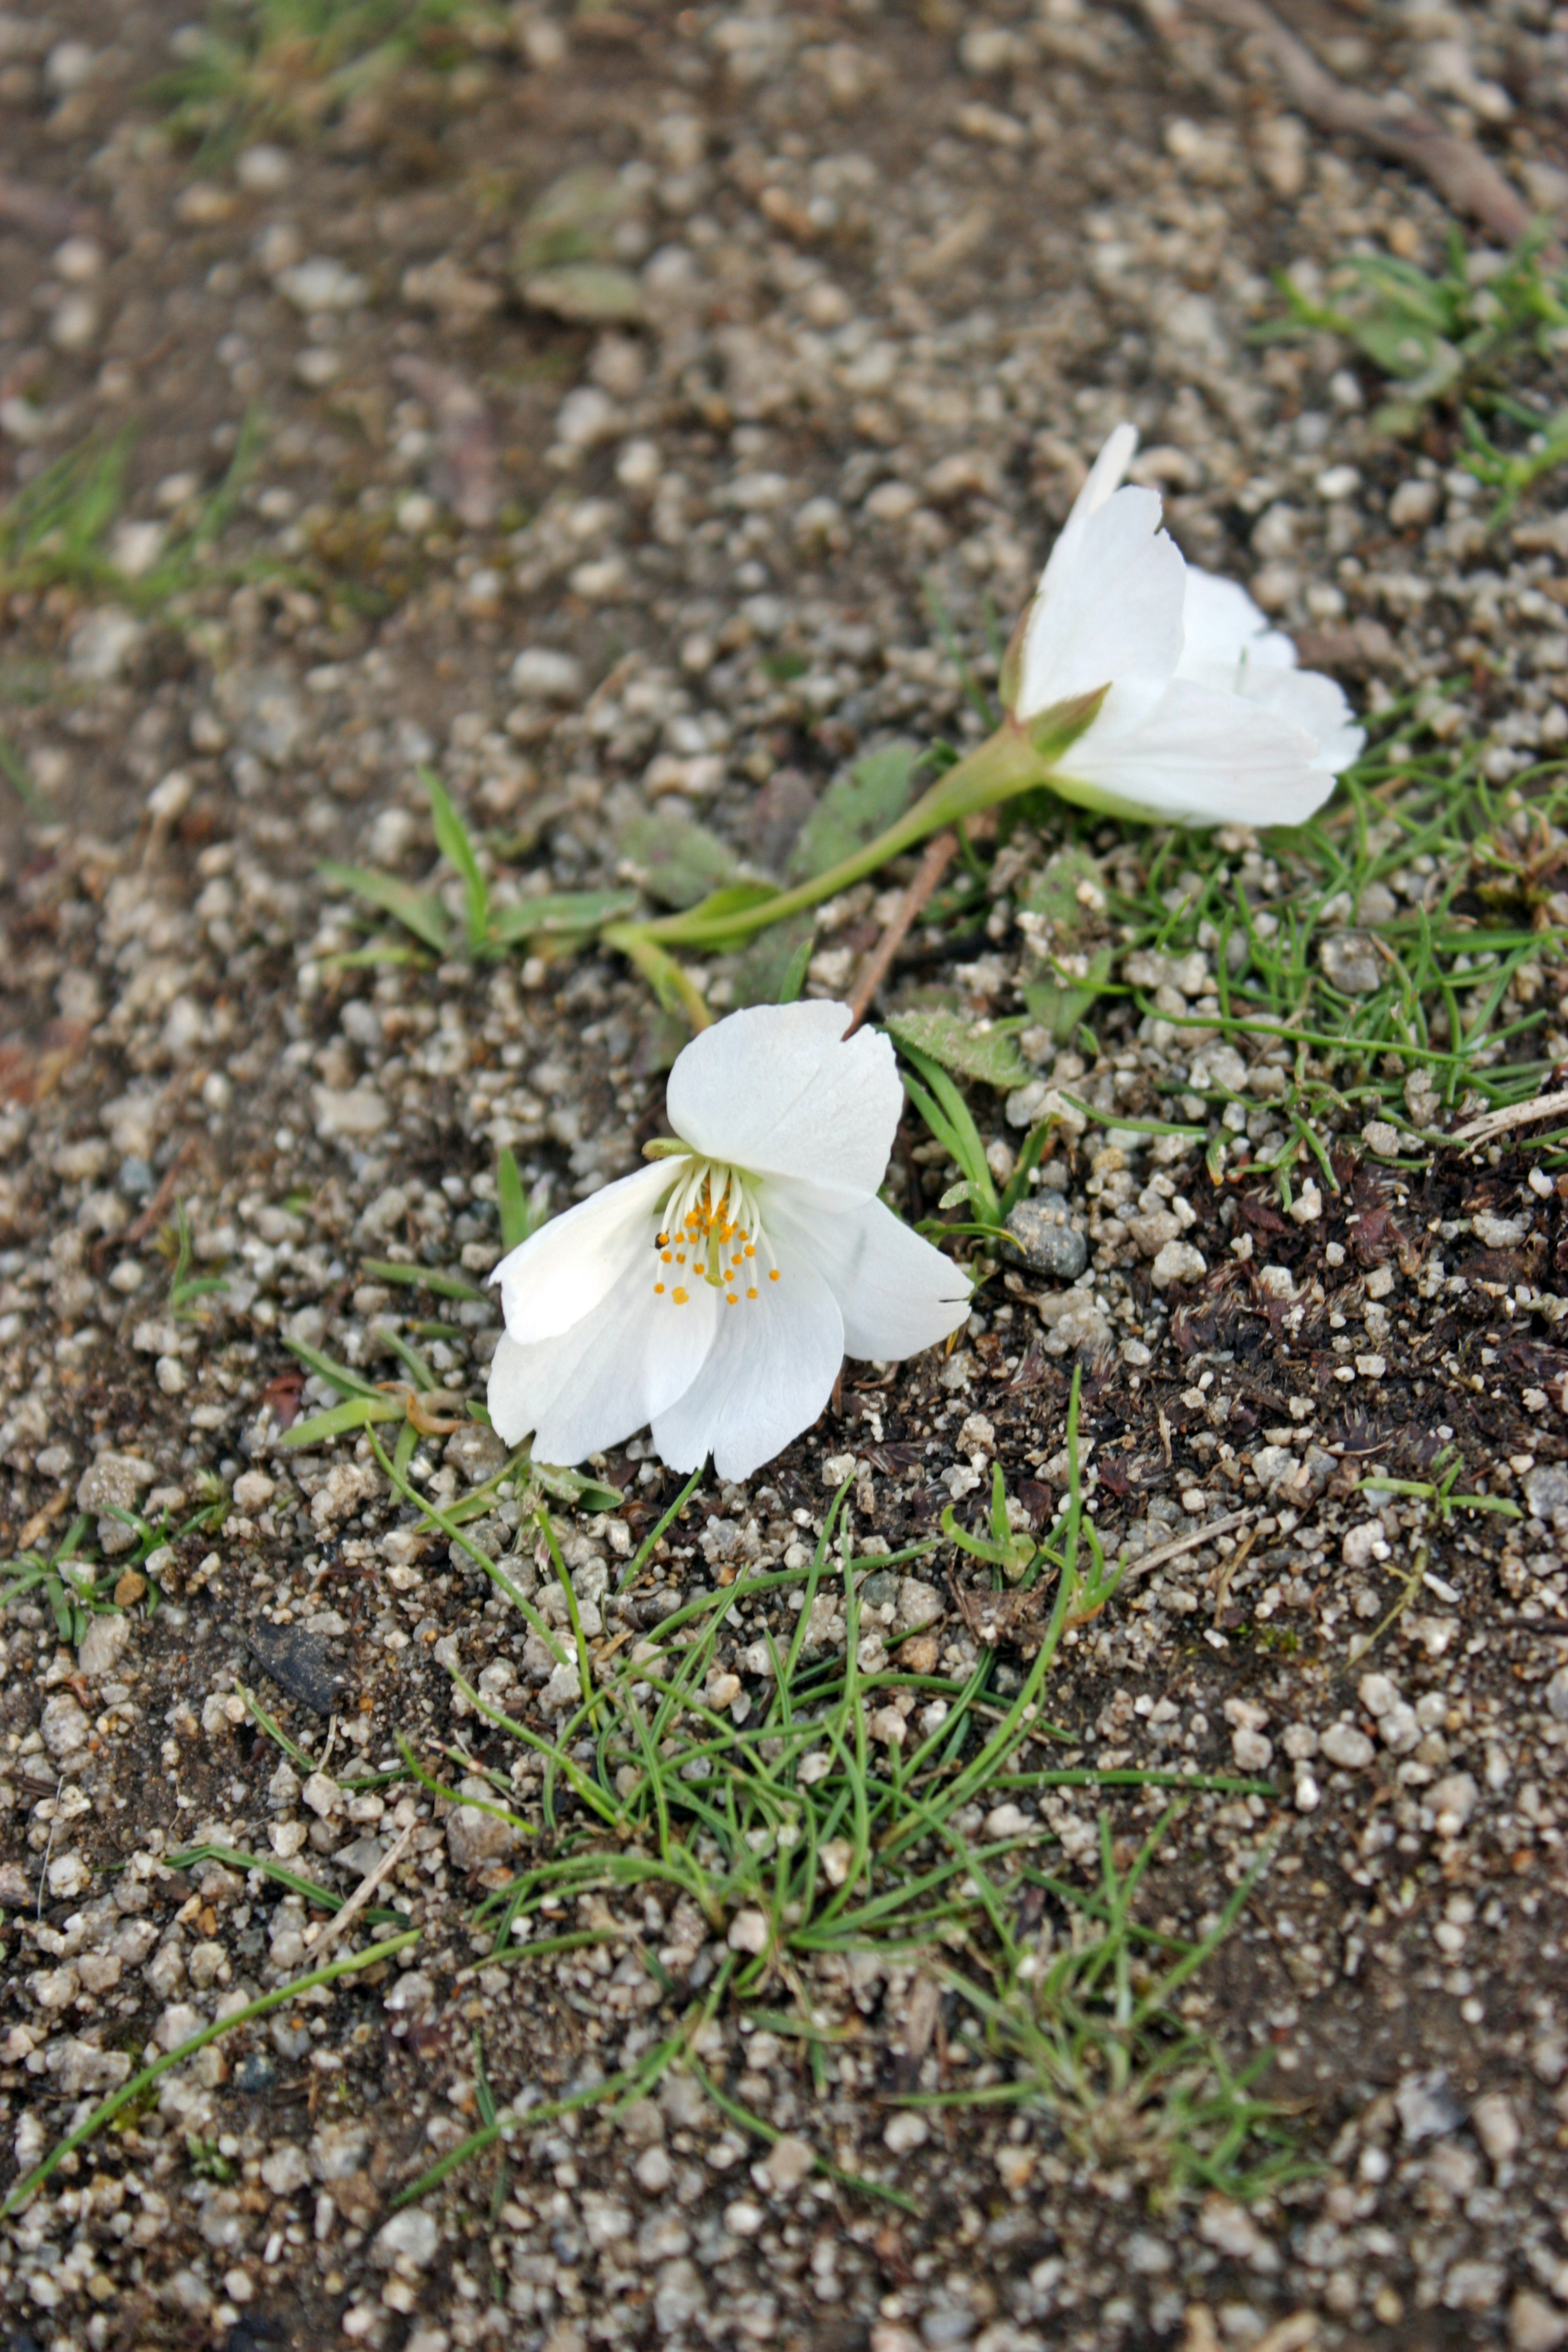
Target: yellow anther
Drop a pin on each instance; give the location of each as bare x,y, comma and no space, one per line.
658,1290
731,1299
751,1294
774,1274
680,1296
750,1251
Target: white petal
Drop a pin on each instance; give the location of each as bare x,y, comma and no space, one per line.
1104,477
1306,698
769,1374
593,1386
561,1272
896,1293
1109,616
1222,630
1202,758
775,1090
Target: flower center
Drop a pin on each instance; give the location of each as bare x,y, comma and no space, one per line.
712,1231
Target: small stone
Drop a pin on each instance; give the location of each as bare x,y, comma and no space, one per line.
1427,2108
1177,1262
345,1114
103,1645
837,1857
545,676
749,1932
1348,1748
297,1661
905,2131
1495,2126
1007,1821
1252,1750
474,1836
1534,2324
286,2170
323,283
412,2236
1351,963
1380,1137
253,1490
679,2293
69,1874
1044,1231
1453,1801
788,2162
654,2171
64,1726
16,1894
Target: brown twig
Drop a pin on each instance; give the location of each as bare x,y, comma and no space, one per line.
939,853
1462,175
143,1224
1493,1123
318,1937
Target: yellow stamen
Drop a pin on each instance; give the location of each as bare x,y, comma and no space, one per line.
680,1296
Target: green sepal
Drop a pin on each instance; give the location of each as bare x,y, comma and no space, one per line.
1051,732
1010,682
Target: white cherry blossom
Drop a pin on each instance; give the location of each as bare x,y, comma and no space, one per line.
1204,718
715,1293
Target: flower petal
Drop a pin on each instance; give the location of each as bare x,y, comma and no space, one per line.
768,1375
1103,477
1110,615
776,1090
1202,758
896,1293
1306,698
561,1272
594,1385
1223,632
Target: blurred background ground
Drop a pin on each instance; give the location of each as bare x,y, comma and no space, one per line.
638,417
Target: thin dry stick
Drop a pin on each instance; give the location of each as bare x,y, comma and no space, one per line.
318,1938
940,850
1462,175
1493,1123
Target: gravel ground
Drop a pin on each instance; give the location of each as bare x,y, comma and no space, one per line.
866,286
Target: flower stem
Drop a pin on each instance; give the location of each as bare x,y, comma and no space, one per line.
675,988
1005,764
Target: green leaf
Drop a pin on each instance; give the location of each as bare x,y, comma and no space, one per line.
452,840
418,1277
586,293
355,1413
1054,893
680,860
346,1383
561,911
1059,1005
771,968
517,1219
573,220
855,809
735,899
571,1486
418,911
989,1054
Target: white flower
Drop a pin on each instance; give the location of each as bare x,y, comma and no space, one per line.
715,1294
1206,719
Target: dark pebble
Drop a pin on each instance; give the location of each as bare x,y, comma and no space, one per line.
254,2074
297,1662
1043,1229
